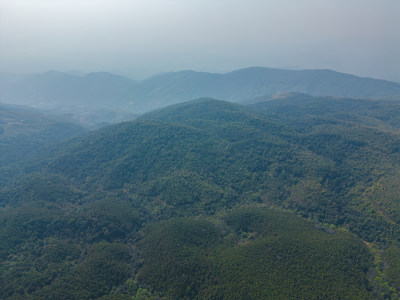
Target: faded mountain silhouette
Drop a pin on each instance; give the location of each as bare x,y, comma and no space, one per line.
105,90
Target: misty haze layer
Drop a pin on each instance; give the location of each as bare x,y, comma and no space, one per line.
140,38
109,91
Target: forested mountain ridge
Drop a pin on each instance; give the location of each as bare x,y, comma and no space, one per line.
180,197
295,106
109,91
26,132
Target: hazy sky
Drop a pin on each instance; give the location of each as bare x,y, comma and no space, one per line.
143,37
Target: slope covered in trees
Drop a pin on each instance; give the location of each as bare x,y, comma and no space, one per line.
171,182
26,132
253,254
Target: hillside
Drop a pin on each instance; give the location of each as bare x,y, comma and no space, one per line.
26,132
109,91
266,254
296,106
188,198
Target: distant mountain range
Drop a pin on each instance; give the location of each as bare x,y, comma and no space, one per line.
54,89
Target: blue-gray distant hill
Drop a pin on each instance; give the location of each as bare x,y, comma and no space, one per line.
106,90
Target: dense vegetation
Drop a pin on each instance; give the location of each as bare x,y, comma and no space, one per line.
26,132
149,208
252,254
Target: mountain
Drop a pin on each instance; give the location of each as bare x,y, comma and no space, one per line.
297,106
108,91
296,197
26,132
267,81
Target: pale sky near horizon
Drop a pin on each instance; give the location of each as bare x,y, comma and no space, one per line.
143,37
